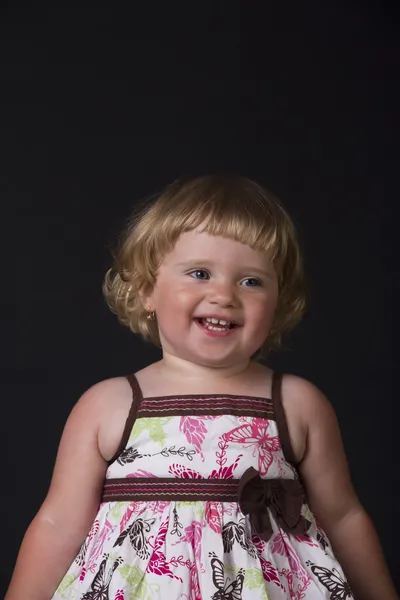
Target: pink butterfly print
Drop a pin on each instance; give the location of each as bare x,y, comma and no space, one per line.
184,472
119,595
255,433
192,536
213,516
157,563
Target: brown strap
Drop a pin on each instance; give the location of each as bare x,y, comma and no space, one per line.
280,418
136,400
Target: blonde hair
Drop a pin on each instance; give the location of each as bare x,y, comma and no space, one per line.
224,205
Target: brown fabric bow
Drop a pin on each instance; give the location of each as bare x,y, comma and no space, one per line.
283,497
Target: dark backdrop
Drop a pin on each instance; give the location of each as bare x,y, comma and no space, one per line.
102,106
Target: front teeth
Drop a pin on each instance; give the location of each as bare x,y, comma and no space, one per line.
216,321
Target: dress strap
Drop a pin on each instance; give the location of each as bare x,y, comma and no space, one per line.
280,418
137,397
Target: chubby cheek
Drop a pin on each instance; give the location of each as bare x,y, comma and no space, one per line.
174,301
261,316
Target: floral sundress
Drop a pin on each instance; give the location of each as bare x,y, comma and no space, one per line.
203,502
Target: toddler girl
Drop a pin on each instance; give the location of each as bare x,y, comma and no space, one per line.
204,475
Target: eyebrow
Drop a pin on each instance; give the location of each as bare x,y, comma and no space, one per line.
210,263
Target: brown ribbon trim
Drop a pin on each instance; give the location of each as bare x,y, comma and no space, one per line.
169,488
284,498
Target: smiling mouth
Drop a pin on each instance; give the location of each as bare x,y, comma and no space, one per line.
216,326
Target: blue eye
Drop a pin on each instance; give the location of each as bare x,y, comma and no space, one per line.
257,282
203,275
194,273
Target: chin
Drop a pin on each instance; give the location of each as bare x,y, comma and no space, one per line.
217,361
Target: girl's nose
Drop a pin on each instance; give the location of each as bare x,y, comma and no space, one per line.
222,294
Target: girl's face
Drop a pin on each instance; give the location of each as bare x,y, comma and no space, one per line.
209,276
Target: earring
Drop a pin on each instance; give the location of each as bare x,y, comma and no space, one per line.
151,316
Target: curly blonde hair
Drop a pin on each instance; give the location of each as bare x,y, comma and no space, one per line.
224,205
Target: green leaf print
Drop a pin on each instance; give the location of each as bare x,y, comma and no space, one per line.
199,511
254,579
113,556
135,577
154,425
230,571
117,510
198,507
306,512
65,586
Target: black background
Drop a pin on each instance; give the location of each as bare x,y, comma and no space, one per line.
102,106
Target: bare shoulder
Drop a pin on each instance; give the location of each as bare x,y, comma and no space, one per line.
91,435
323,465
105,408
305,406
100,392
302,396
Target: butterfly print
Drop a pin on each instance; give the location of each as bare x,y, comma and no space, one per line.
203,549
136,533
331,579
255,434
101,582
226,590
232,532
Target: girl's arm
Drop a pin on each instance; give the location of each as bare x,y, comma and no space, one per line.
332,497
56,533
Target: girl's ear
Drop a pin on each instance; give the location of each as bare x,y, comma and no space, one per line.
146,297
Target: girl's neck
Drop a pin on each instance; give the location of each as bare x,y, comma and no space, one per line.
173,368
165,379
